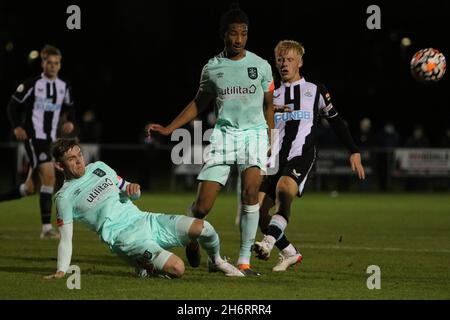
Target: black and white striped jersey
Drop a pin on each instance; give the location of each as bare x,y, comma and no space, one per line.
37,104
295,134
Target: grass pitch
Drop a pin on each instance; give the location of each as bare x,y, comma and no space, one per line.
406,235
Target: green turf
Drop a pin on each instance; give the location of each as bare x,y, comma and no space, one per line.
406,235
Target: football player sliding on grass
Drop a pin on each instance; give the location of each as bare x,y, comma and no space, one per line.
100,199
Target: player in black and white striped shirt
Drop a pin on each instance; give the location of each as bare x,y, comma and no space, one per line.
35,111
300,104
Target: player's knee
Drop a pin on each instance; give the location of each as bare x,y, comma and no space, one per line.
47,174
201,228
250,194
176,270
48,180
196,228
285,192
283,187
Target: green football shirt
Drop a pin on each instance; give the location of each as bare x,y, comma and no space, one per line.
95,200
238,87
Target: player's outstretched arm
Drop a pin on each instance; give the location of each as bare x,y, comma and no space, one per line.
189,113
133,190
269,112
14,114
356,164
64,251
269,109
341,130
68,111
130,190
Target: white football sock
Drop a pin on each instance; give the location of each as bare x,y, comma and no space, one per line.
47,227
290,250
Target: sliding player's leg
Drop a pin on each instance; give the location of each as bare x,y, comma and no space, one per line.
170,231
203,232
160,263
141,244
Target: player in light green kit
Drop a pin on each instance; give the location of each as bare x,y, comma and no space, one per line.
240,85
100,199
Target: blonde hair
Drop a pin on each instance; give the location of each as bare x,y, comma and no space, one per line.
49,50
285,46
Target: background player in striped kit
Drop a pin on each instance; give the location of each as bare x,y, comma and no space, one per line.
35,111
295,148
241,86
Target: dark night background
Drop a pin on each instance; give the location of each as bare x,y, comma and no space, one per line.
135,61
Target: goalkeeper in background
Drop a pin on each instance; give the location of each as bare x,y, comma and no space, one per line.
100,199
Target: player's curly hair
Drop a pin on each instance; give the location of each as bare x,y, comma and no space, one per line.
61,146
287,45
233,15
49,50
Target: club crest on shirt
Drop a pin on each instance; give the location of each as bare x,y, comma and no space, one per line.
147,255
99,172
296,174
42,156
252,73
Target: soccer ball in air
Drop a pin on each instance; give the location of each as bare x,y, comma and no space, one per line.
428,65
